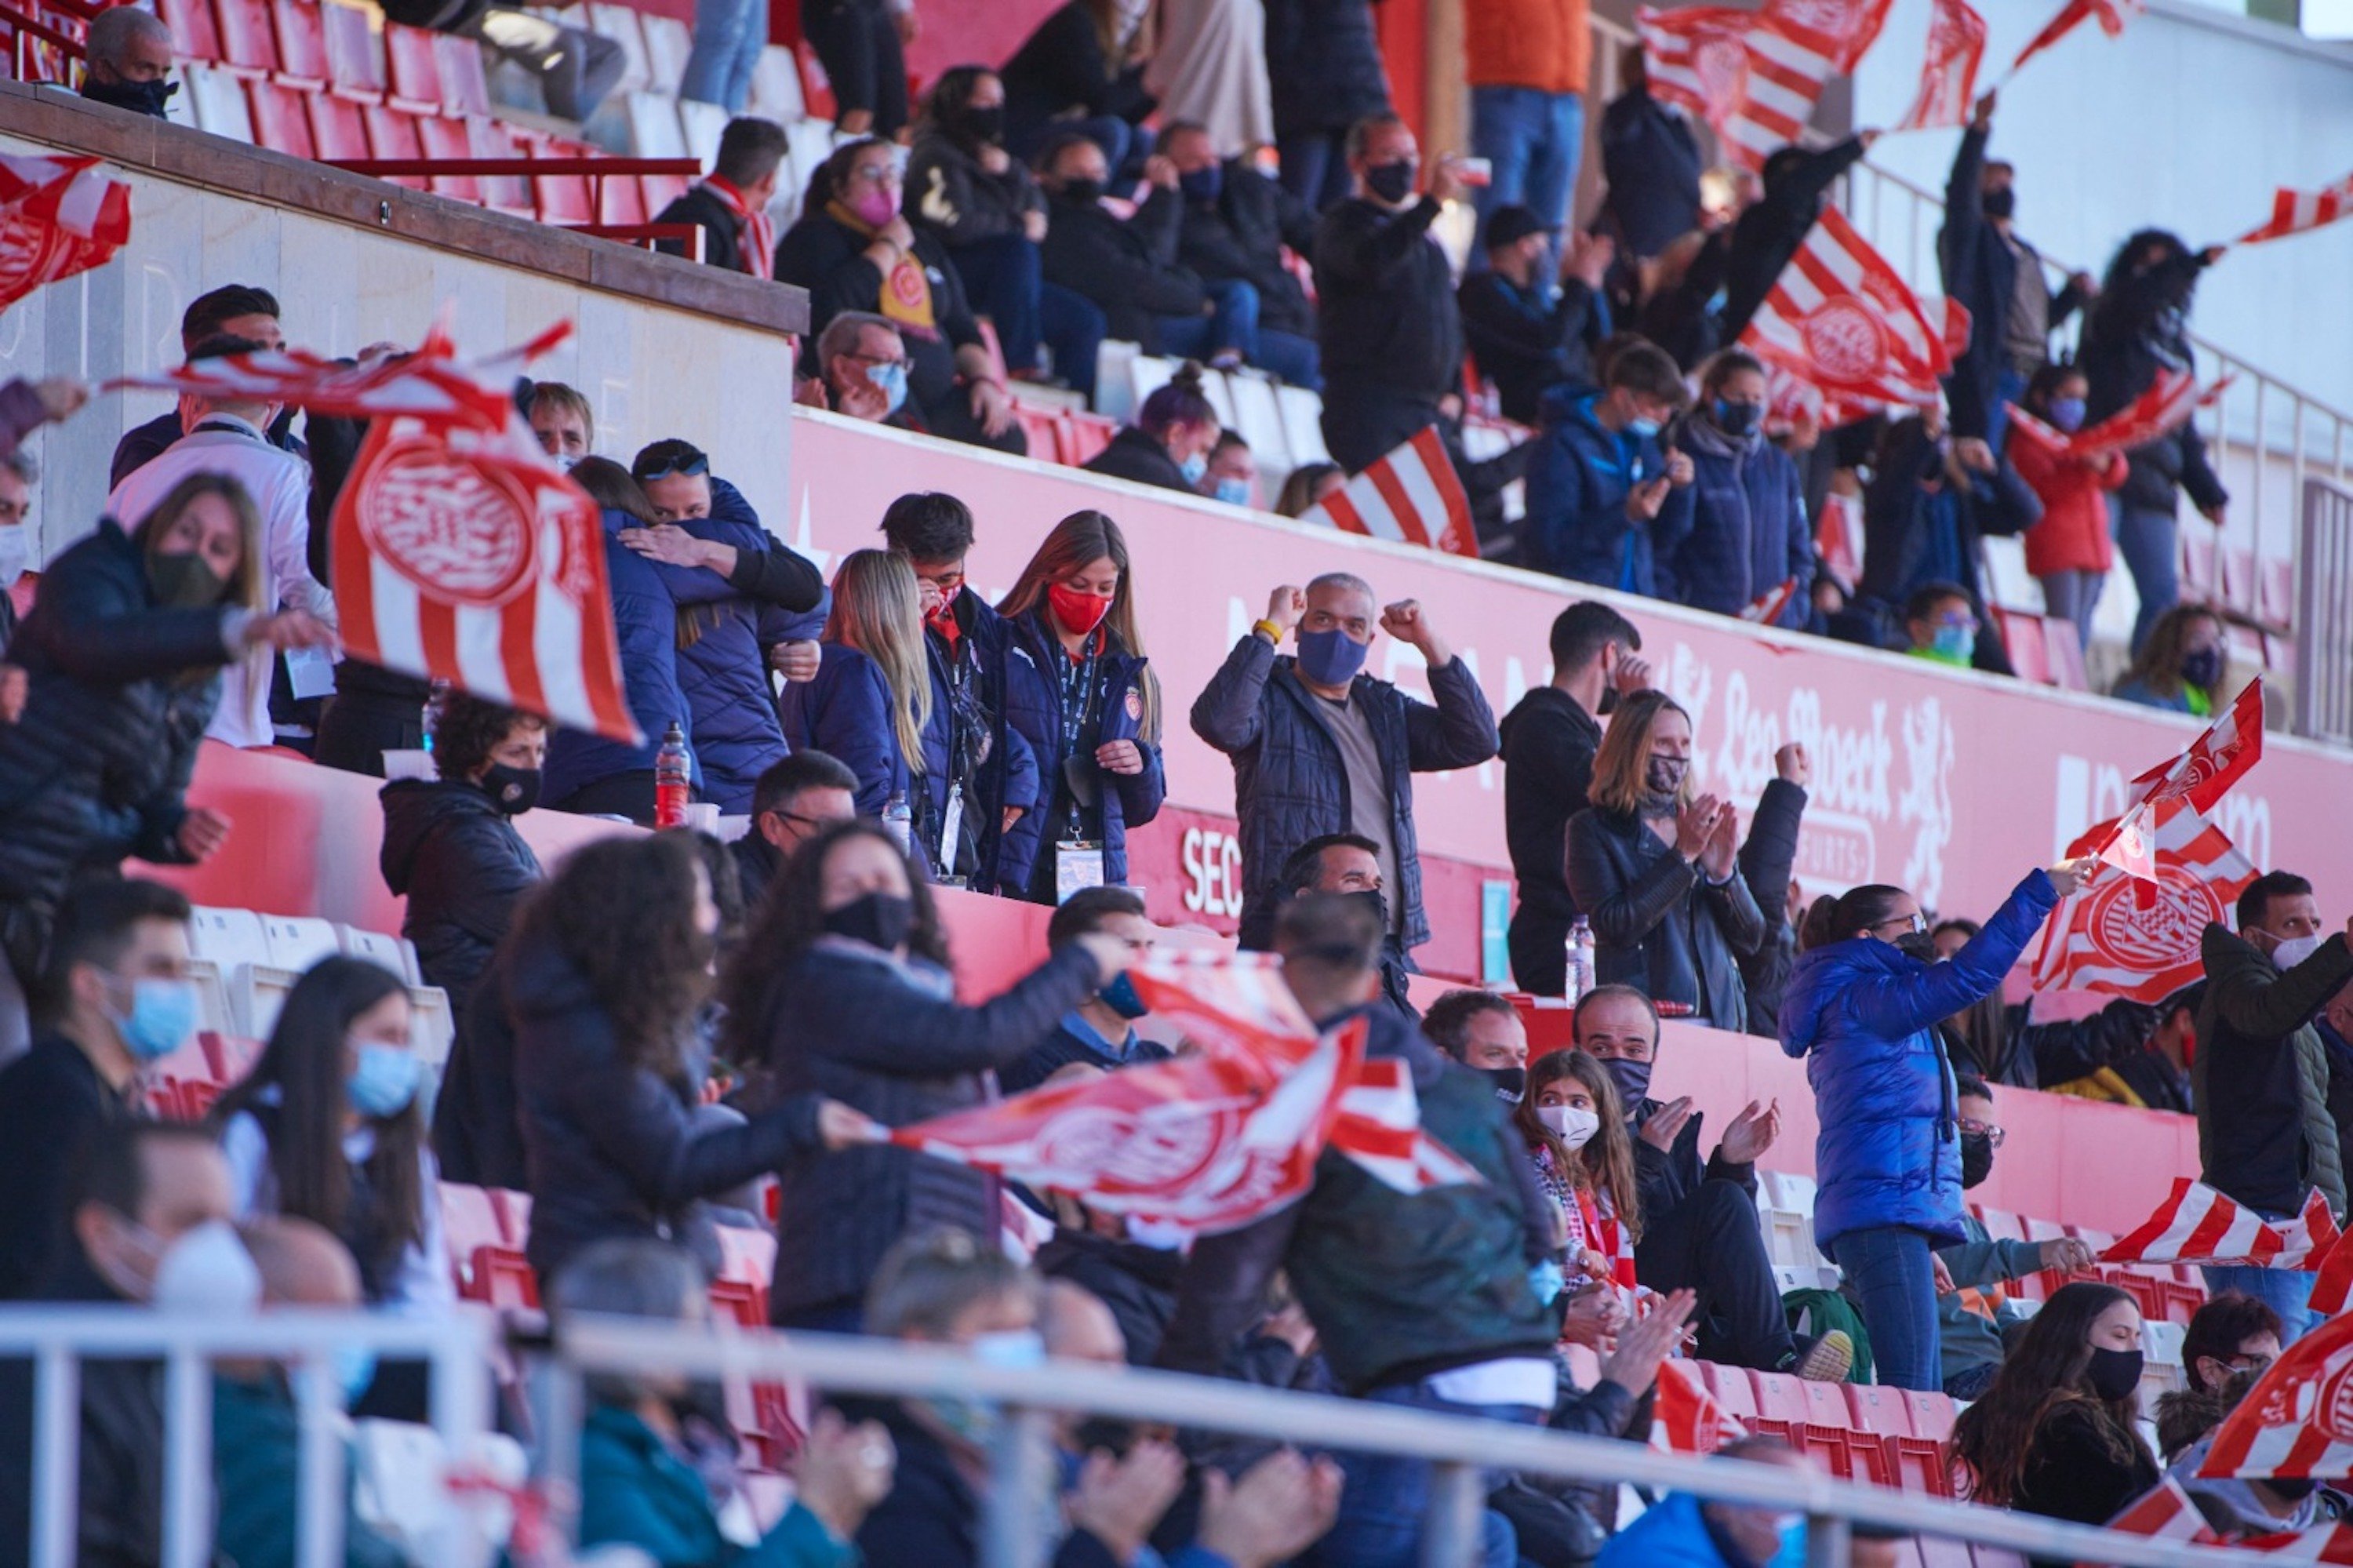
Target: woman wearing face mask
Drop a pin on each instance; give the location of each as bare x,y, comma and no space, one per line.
2070,551
1863,1013
853,248
1078,689
871,701
1584,1156
1749,530
1170,443
603,979
2056,1434
123,655
843,986
1657,871
2180,667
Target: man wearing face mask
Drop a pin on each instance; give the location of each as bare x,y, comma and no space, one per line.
1100,1031
117,997
1232,474
150,1205
16,476
1235,225
1319,748
865,368
128,63
1482,1031
1974,1316
1548,743
1608,502
1391,336
2261,1076
1350,865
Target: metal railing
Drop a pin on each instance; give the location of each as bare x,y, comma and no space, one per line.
2324,614
59,1339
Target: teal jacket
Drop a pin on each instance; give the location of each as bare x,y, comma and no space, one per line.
634,1492
1972,1339
256,1442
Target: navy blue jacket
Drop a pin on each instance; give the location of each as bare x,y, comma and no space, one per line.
723,672
1652,163
645,626
1980,270
1324,63
1291,786
1033,709
1579,477
1007,776
1912,537
846,713
1864,1014
1748,531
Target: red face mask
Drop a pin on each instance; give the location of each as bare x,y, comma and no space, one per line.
1080,613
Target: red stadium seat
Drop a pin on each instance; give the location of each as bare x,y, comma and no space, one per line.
354,57
2064,646
509,193
338,127
501,1277
413,62
1090,434
194,36
465,89
817,92
514,1210
2021,639
1043,426
281,121
446,138
560,199
393,134
1732,1390
246,44
301,28
2200,578
621,198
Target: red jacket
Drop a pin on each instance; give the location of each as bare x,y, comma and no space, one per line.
2074,534
1543,44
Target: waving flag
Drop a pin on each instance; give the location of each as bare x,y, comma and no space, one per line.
1768,606
2217,759
2330,1543
2199,1224
2165,1512
2297,1421
2293,212
1949,73
1852,26
2104,938
2336,1282
2167,404
1380,1127
2112,16
1841,318
1686,1418
1754,76
1412,495
57,216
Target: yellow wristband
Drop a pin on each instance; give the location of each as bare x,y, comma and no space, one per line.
1273,633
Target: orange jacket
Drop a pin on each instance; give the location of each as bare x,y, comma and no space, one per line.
1543,44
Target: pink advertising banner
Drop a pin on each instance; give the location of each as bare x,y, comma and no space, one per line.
1948,783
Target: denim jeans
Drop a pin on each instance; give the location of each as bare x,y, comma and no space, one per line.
2286,1291
728,37
2073,596
1890,1269
1291,359
1386,1496
1231,324
1533,139
2145,538
576,67
1002,279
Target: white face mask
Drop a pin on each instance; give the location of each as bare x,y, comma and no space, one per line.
208,1270
1573,1125
2287,955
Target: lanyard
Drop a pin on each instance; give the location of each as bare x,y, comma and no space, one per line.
1078,681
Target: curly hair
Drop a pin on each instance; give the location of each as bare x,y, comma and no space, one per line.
622,910
2048,1371
1606,1163
470,729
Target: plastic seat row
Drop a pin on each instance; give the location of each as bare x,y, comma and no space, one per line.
1283,425
485,1229
246,962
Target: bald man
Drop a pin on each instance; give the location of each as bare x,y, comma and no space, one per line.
130,61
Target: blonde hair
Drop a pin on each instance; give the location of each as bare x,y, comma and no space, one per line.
878,611
1620,768
1076,542
244,589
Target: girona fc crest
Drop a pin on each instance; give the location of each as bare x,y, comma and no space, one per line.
1723,65
2155,939
459,530
1845,340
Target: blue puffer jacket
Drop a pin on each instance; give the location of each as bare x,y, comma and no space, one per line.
1864,1015
1008,775
846,713
645,623
1579,475
1033,709
1748,531
1674,1535
723,672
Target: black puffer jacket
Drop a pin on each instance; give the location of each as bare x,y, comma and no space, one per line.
957,201
611,1148
458,860
122,689
885,1038
1061,70
1140,457
1657,926
1324,62
2137,329
1127,265
1241,235
1385,300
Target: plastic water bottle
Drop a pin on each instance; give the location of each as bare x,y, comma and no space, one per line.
899,821
1580,959
671,775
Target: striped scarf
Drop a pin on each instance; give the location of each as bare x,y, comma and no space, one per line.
755,232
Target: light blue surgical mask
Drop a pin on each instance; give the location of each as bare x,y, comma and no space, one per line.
1193,468
1644,429
162,1015
1955,643
384,1078
1234,492
977,1421
1792,1551
892,379
353,1368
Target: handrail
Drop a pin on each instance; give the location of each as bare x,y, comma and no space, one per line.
1462,1448
594,168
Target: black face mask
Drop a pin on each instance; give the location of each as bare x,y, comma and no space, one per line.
1390,182
1510,1083
2292,1491
2114,1374
1086,193
878,919
1999,203
1378,902
1977,1158
513,791
139,97
184,582
982,127
1916,944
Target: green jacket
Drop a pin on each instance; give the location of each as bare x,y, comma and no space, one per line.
634,1492
256,1442
1972,1339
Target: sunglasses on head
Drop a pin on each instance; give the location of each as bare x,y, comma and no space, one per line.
693,466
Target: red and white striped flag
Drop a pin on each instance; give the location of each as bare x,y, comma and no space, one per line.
1839,537
1768,609
1754,76
1412,495
1685,1418
2330,1543
1380,1130
1948,73
2297,1421
2199,1224
2165,406
1852,25
2112,16
2216,760
1840,318
2165,1513
2106,938
2336,1282
57,216
2293,212
467,556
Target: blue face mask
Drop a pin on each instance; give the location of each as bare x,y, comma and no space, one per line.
2067,413
1957,643
353,1368
383,1080
162,1015
1193,468
1331,657
1234,492
1121,998
893,381
1203,186
1642,427
1792,1551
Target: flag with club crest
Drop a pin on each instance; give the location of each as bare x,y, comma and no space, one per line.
1840,319
2168,403
2112,16
2293,212
1412,495
2296,1423
57,216
2198,1225
2201,777
1685,1418
2105,937
1948,73
1753,75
